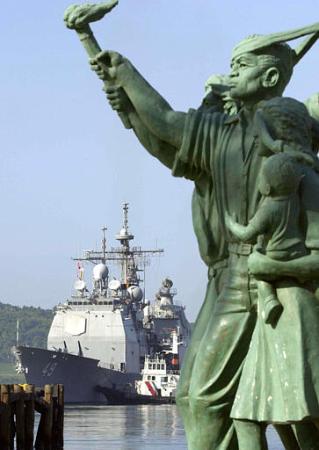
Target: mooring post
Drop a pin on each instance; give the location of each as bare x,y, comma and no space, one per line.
5,417
58,417
20,416
48,417
44,435
29,416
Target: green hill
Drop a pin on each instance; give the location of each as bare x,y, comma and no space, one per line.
34,324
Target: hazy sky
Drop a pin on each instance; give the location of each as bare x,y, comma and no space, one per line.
67,164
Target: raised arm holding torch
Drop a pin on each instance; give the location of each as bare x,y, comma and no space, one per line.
78,18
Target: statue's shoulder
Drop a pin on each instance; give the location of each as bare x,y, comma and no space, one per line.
213,116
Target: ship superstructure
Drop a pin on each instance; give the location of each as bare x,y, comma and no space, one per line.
99,338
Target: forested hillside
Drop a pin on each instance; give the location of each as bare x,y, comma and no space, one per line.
34,324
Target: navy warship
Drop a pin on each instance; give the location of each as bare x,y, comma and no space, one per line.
102,341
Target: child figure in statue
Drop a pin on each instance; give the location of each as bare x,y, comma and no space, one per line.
277,218
282,357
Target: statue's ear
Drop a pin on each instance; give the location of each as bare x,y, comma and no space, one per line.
270,77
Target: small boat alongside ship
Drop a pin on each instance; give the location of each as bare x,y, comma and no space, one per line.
157,385
110,344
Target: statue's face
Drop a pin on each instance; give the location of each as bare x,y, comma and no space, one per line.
247,73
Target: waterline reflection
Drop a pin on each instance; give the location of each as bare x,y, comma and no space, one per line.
123,427
131,427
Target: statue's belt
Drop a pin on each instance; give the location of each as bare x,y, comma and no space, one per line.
240,248
237,248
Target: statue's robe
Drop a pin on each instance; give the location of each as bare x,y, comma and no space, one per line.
222,149
219,153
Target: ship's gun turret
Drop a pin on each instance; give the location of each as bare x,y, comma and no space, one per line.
165,295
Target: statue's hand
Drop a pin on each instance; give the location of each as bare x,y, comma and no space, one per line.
262,267
110,65
96,67
118,99
230,222
265,268
78,17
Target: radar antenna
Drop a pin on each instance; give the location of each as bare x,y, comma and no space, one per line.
124,236
131,259
104,230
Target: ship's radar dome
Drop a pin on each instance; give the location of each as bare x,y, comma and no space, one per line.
136,293
100,272
114,285
79,285
124,235
123,232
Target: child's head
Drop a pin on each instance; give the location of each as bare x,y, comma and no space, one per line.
286,120
279,176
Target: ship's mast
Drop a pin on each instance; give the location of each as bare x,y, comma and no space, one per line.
127,261
104,229
131,259
17,332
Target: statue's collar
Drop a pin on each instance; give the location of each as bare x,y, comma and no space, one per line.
240,116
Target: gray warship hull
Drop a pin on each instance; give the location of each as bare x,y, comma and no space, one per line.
82,377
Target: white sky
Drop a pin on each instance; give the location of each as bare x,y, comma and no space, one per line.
67,164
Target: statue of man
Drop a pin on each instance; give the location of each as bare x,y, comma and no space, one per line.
219,153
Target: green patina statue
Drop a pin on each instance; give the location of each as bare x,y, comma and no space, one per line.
252,157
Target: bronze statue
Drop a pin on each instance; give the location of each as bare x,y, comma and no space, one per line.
222,154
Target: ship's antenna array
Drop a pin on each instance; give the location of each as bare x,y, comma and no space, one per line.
104,229
125,210
131,259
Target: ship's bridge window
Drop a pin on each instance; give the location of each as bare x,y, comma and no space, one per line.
162,367
150,366
154,366
158,367
149,377
164,379
153,378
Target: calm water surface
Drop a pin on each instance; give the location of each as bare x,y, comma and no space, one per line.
129,428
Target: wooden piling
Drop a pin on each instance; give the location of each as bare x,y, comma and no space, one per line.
45,430
20,417
5,417
58,417
18,404
29,416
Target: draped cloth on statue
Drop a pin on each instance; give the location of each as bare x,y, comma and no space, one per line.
216,145
219,153
280,379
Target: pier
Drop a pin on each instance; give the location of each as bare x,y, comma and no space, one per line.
18,404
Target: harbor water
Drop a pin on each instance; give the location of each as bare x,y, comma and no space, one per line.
147,427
